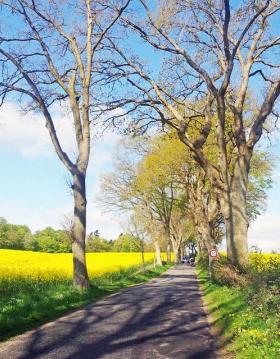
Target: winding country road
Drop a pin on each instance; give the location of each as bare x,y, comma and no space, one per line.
163,318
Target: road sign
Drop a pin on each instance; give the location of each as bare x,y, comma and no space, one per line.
213,253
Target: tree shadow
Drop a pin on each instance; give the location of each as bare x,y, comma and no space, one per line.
163,318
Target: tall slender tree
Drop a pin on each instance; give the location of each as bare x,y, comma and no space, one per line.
49,53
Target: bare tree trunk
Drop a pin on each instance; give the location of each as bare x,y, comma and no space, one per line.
142,256
239,214
157,250
203,250
207,238
229,229
179,254
235,216
80,275
182,251
176,254
168,252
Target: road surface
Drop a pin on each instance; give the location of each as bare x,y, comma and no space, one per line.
161,319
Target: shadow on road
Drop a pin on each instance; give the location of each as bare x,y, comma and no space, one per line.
161,319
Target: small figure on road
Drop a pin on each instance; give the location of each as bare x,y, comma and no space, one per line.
192,261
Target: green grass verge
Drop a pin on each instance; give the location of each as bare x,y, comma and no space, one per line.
248,319
26,304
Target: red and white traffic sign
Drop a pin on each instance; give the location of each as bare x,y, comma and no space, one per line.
213,253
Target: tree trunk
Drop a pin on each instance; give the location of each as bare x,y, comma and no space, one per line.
176,254
239,215
207,237
179,254
235,216
158,256
80,275
168,252
142,257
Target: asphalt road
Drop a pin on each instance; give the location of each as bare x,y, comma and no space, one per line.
163,318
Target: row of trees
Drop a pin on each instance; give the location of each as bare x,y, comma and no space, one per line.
126,242
170,198
213,76
13,236
219,75
50,240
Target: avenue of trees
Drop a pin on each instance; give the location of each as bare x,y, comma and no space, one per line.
170,198
205,73
218,72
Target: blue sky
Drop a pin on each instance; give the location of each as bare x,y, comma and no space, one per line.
33,184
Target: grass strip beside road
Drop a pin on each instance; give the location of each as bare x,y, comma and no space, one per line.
247,319
30,303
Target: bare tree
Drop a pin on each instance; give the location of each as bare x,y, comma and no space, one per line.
139,232
120,193
219,72
152,191
50,54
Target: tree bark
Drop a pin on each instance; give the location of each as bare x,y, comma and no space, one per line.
176,254
80,275
142,256
239,252
158,256
202,249
168,252
234,208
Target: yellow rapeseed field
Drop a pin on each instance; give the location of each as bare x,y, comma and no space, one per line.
264,262
36,265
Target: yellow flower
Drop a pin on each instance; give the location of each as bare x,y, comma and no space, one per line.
16,264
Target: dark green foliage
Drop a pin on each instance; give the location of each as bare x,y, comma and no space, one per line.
13,236
51,240
124,243
127,243
95,243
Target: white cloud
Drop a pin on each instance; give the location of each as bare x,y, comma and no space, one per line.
16,213
265,232
27,136
22,133
109,225
26,133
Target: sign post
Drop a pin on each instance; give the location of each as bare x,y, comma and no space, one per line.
213,255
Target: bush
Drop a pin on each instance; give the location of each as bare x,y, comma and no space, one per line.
263,270
224,273
246,306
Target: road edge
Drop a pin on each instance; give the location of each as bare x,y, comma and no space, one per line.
219,339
